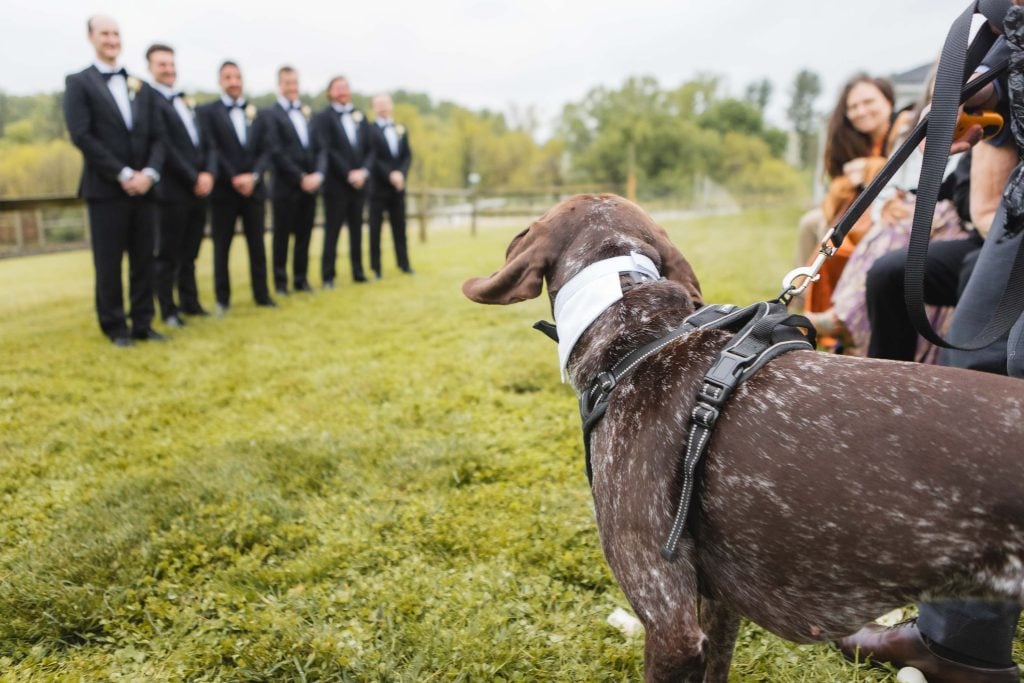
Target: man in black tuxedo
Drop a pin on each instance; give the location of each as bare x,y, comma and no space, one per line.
111,118
342,134
182,193
294,181
391,157
242,158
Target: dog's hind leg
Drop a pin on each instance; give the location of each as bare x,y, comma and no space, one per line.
664,596
720,624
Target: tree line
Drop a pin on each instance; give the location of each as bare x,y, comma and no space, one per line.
670,139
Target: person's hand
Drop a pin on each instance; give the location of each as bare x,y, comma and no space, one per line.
357,178
397,180
204,184
138,185
896,209
244,184
311,182
854,171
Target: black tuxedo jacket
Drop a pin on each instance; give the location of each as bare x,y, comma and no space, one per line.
233,158
383,163
335,154
185,161
98,129
289,159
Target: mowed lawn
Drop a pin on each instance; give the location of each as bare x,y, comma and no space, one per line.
379,483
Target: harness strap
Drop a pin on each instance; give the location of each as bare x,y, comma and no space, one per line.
771,332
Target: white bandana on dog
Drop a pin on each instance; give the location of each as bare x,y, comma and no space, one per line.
589,294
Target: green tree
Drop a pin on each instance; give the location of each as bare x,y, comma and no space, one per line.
806,89
759,94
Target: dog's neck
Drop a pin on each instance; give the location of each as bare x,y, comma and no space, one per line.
647,311
590,293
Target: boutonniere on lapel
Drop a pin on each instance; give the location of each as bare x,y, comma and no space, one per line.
400,129
306,111
250,112
357,116
134,85
190,102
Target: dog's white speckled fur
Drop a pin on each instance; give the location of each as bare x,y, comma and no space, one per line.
834,489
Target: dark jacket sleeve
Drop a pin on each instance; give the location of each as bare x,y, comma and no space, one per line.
279,155
176,163
157,131
223,165
406,159
261,130
78,116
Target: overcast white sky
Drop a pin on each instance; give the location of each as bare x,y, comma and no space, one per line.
487,53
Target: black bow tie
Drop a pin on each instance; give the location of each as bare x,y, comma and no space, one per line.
294,106
176,95
107,75
236,105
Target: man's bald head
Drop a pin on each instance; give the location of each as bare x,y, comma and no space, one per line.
105,36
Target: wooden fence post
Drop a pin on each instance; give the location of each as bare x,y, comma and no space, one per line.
39,227
19,231
472,220
423,214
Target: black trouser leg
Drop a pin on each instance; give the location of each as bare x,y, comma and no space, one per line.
171,226
305,214
396,216
892,334
980,633
253,223
222,218
284,220
192,240
140,262
333,217
354,219
376,222
109,223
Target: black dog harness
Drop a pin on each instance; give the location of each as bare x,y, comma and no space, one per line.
762,331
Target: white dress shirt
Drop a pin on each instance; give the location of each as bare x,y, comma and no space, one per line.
294,111
237,114
391,135
187,116
118,87
347,123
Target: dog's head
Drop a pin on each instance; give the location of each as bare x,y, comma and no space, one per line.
574,234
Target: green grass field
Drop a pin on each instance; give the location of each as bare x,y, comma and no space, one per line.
378,483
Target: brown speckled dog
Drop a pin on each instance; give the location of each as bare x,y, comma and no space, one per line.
834,488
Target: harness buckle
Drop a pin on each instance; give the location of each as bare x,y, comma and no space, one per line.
704,415
712,393
605,382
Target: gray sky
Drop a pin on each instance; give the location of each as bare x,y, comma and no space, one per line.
487,53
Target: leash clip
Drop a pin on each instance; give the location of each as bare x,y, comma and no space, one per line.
790,288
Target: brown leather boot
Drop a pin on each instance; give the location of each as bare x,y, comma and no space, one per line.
902,645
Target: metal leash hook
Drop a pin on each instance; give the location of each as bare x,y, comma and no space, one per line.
790,288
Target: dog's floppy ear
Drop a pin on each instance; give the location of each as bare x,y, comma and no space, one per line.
522,277
675,267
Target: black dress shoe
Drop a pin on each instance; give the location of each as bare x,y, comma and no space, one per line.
197,311
122,341
148,334
174,321
304,287
376,273
328,284
408,271
359,278
267,303
281,291
902,645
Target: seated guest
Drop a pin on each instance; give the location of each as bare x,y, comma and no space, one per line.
111,117
242,159
294,181
182,193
